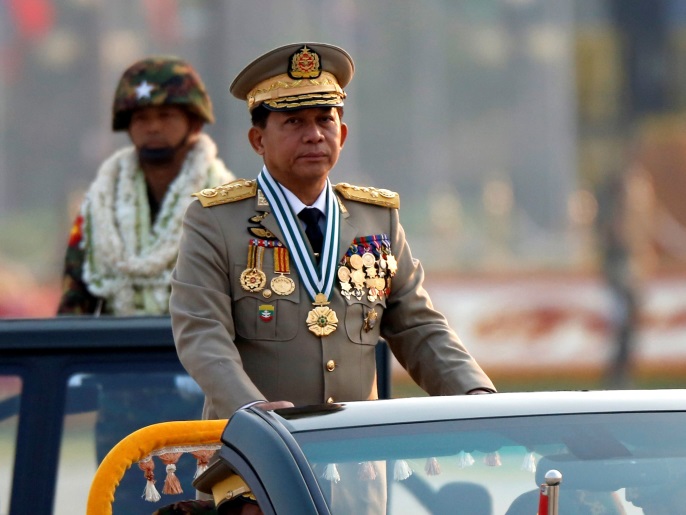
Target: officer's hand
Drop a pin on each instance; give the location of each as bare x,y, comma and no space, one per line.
266,406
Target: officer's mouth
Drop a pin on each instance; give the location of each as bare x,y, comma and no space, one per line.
313,156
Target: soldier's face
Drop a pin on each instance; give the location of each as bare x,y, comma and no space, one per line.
159,127
300,147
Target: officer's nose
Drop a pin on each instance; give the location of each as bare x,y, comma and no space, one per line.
313,133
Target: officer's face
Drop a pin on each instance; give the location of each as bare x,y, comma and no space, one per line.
159,127
300,147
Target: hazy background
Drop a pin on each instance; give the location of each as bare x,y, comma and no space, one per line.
531,142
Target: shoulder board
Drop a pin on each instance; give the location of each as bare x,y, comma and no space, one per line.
230,192
377,196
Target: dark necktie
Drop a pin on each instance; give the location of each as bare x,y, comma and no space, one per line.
311,216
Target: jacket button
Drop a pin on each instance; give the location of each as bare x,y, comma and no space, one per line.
330,365
329,400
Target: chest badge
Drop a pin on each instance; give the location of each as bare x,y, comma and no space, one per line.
266,312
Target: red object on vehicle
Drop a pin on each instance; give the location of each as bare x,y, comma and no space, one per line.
543,500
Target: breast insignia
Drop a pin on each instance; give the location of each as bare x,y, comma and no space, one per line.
377,196
230,192
261,233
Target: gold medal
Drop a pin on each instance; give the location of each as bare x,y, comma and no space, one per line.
344,274
281,284
356,261
358,278
370,320
368,259
253,278
392,264
322,320
344,277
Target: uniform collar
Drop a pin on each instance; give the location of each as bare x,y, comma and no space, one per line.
296,204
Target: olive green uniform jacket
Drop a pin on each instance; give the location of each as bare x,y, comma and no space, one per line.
237,357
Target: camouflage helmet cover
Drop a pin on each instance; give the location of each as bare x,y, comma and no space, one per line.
157,81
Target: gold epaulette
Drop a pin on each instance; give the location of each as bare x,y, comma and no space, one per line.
229,192
380,197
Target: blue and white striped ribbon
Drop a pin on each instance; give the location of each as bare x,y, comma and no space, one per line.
316,278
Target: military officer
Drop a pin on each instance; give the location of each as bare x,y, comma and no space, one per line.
270,306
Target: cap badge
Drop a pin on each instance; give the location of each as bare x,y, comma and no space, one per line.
144,89
305,64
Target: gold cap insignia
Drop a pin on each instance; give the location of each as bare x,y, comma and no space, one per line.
305,64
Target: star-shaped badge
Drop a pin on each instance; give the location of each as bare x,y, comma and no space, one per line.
143,90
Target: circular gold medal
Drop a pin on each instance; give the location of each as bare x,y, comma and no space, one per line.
253,279
282,285
344,274
368,259
356,261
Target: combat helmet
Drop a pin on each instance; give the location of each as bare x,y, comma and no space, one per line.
157,81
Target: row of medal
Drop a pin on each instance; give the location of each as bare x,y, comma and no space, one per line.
253,279
366,269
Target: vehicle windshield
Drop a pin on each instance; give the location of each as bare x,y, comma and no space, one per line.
618,463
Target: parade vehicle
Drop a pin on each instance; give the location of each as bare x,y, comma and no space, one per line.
614,450
598,452
55,374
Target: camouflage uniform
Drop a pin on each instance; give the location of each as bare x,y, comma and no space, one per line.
128,402
76,299
176,83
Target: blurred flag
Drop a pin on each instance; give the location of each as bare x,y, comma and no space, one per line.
163,20
32,19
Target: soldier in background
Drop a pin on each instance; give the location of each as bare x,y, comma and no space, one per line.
124,242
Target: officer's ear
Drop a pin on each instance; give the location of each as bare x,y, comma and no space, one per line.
255,138
344,133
